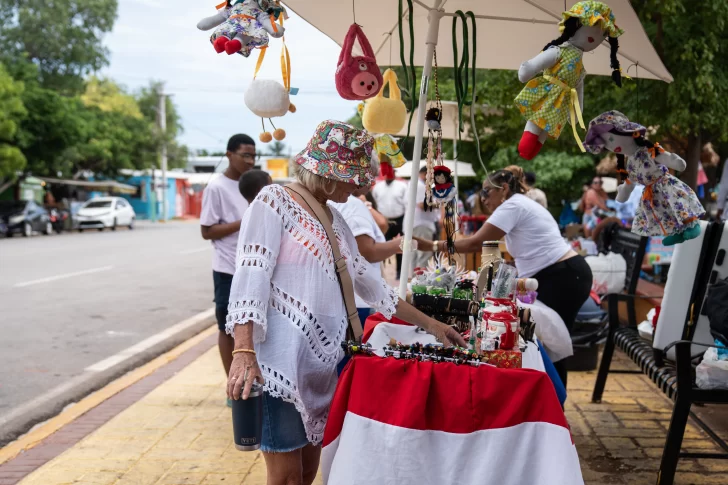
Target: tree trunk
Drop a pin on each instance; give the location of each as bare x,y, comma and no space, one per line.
692,157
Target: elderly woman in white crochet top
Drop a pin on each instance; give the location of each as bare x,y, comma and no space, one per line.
286,304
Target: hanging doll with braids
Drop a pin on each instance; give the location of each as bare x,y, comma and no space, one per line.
668,206
549,101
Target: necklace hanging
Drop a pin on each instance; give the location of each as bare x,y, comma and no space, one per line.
439,186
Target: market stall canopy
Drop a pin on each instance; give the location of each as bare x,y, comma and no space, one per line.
464,169
509,32
449,122
100,185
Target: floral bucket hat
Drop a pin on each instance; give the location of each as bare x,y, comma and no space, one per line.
339,151
606,122
589,13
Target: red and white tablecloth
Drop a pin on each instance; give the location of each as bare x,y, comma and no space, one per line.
404,422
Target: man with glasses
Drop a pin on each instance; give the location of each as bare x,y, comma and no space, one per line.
222,211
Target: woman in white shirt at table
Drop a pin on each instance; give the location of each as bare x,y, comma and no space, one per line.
535,242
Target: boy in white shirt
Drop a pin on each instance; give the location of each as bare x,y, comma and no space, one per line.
223,207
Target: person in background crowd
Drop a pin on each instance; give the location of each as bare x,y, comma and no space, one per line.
425,222
382,222
534,193
723,194
391,198
534,240
626,210
223,207
252,182
594,199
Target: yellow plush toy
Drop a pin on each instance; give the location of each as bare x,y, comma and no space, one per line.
385,115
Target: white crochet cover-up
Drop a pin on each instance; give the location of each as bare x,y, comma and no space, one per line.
285,283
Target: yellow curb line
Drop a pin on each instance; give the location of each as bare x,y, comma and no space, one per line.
34,437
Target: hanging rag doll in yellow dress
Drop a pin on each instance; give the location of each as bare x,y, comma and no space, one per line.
551,100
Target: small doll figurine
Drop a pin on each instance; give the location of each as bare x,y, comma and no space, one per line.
668,207
243,25
433,117
444,189
549,101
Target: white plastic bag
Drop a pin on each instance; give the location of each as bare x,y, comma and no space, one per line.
712,373
609,272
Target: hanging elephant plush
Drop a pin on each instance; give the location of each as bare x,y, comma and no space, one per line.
243,25
668,207
549,101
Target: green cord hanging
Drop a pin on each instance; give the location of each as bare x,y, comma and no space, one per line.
465,76
410,76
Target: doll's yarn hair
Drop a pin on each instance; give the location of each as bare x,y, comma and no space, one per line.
571,25
512,176
640,140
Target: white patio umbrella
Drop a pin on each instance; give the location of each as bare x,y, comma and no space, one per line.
509,32
463,168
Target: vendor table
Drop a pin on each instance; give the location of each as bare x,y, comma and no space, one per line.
406,422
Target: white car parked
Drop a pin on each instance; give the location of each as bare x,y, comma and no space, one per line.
103,212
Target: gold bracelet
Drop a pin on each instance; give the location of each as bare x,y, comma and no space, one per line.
436,246
247,351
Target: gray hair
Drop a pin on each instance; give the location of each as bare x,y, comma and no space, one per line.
316,184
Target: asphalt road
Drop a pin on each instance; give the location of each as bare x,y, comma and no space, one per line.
70,301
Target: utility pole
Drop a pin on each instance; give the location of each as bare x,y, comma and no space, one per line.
162,113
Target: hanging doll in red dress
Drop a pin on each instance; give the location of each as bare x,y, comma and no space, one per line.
551,100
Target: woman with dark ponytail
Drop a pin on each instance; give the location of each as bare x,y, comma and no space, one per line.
548,102
534,240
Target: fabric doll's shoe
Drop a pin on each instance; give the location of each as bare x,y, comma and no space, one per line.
691,233
219,44
233,46
673,239
529,145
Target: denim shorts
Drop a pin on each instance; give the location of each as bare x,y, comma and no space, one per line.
223,282
283,429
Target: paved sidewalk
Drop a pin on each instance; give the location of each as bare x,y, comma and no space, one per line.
180,433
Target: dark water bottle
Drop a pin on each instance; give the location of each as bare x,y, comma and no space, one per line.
248,420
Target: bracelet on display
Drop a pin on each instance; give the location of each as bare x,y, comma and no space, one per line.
352,347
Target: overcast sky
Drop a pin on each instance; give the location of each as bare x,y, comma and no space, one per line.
153,39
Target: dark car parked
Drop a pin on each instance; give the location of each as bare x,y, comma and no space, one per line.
24,217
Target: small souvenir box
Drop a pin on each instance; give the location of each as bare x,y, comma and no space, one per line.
504,359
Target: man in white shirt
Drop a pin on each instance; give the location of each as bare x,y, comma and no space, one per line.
425,221
391,198
723,194
533,193
223,207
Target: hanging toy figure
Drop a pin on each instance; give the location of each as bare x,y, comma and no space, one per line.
548,102
433,118
668,206
444,190
243,25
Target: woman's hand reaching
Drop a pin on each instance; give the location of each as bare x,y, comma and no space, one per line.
243,372
445,334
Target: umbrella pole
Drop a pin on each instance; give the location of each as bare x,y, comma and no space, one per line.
409,218
457,185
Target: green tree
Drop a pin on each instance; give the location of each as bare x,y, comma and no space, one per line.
12,111
63,37
109,96
148,100
277,149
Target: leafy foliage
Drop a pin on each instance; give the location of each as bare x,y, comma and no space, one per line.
63,37
11,112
